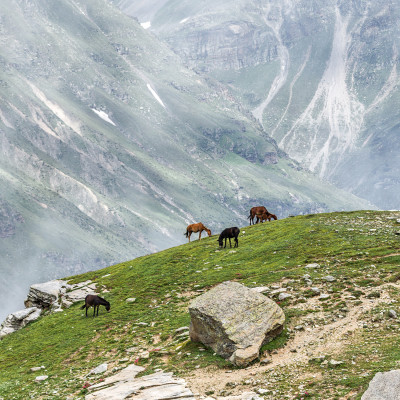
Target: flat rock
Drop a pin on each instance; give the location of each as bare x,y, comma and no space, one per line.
18,320
125,385
384,386
235,321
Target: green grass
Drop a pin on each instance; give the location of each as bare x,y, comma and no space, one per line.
68,344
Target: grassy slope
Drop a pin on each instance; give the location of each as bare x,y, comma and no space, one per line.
345,244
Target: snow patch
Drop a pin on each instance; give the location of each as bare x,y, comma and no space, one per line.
182,21
103,116
156,96
146,25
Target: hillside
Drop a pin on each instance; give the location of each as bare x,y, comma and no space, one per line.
110,147
321,76
360,250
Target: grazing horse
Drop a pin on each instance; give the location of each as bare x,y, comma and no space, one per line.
256,211
196,228
265,217
95,301
229,233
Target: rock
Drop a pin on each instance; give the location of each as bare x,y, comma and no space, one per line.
124,385
392,314
243,396
41,378
324,296
384,386
335,363
18,320
329,278
35,369
265,361
47,294
99,369
260,289
54,294
314,265
315,290
235,321
131,300
284,296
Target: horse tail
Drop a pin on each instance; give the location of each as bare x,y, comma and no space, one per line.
187,233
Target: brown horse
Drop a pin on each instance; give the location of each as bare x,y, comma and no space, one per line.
256,211
199,227
265,217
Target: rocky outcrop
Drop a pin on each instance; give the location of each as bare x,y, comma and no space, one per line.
47,294
125,385
18,320
57,293
51,296
384,386
235,321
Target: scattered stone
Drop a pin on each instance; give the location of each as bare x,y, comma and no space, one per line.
100,369
41,378
384,386
265,361
314,265
260,289
35,369
235,321
315,290
335,363
324,296
181,330
392,314
18,320
329,278
131,300
299,328
284,296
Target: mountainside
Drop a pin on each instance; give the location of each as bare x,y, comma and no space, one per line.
341,271
321,77
110,147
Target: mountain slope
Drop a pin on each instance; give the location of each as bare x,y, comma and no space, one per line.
110,146
321,76
351,258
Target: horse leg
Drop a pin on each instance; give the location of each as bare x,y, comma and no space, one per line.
230,244
200,235
98,310
189,235
86,309
236,242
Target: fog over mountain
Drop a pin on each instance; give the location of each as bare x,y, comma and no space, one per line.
321,76
111,145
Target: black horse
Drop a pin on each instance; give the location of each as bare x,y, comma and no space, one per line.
229,233
95,301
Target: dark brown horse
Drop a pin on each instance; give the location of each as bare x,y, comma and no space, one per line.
92,300
265,217
229,233
199,227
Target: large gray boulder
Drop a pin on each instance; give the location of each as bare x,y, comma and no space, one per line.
235,321
384,386
18,320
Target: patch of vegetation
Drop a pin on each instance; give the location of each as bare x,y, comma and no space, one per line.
147,331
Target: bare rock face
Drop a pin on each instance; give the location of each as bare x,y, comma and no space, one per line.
47,294
18,320
125,385
235,321
384,386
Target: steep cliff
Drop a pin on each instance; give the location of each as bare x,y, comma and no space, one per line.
320,76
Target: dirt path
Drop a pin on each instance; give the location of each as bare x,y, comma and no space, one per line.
316,341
